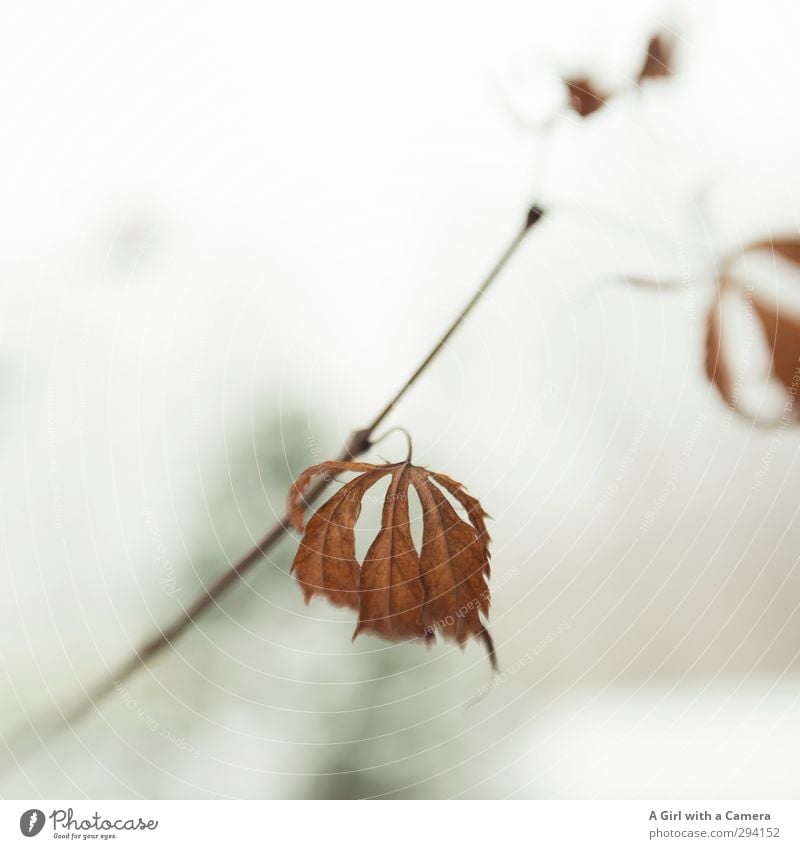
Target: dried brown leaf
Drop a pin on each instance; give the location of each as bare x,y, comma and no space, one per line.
780,329
583,96
399,593
659,58
325,562
787,246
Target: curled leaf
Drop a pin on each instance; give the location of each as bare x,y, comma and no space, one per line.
399,593
753,335
752,339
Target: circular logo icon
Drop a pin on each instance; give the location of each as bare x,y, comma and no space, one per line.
31,822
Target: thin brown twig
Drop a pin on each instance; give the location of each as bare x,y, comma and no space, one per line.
38,731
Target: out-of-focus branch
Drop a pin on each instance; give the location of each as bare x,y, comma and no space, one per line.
38,731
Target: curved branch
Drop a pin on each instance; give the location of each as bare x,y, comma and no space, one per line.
36,732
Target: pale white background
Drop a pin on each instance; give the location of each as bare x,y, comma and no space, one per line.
222,215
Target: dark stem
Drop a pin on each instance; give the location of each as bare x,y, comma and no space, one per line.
402,430
534,216
39,731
